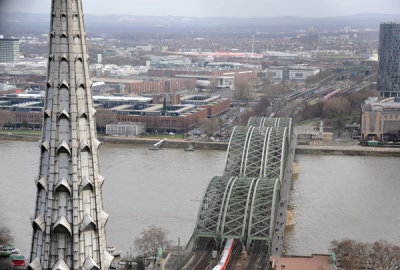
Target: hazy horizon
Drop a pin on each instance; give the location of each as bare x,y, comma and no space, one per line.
222,8
224,17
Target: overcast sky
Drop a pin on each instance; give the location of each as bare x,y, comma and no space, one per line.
221,8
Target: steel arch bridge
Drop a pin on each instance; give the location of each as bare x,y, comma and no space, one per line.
242,204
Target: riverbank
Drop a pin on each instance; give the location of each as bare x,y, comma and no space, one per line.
348,150
170,143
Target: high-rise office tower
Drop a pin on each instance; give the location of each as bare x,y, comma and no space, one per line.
9,50
69,220
389,60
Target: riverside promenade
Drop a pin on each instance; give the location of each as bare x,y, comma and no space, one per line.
320,149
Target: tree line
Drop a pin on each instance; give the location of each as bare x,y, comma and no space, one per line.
6,237
336,110
355,255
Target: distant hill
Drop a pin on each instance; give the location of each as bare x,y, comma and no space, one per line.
12,23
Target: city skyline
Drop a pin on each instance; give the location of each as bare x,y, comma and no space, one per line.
224,8
216,96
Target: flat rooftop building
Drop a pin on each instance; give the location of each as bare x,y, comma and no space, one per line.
215,105
157,118
178,118
151,85
204,81
289,73
237,73
180,115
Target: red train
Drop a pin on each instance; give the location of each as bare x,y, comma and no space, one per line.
226,254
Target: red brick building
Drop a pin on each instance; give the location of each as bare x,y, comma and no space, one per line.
239,74
31,119
181,114
217,108
179,124
171,99
166,85
215,105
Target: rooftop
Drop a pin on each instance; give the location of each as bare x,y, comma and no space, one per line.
205,69
203,76
313,262
375,103
9,39
136,80
199,99
294,67
114,80
123,98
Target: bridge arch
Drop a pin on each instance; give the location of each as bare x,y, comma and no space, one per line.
243,203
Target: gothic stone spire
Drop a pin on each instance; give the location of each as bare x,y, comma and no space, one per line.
69,220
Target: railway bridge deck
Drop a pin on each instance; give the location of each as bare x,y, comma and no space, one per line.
244,202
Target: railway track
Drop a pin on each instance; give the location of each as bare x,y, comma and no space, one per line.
235,256
258,257
200,259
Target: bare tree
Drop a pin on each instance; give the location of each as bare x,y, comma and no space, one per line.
5,236
261,107
380,255
220,122
245,116
209,126
385,256
276,90
104,117
242,90
291,85
336,108
150,239
213,85
344,251
6,117
320,76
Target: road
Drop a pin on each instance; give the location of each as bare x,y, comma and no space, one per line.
277,242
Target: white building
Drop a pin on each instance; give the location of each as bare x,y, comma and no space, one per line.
126,129
289,73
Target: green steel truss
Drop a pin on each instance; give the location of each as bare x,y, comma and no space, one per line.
236,149
209,216
263,209
236,208
271,122
273,166
242,204
255,152
255,121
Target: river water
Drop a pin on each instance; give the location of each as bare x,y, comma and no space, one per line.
334,196
338,197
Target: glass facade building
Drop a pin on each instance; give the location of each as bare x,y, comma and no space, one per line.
389,60
9,50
